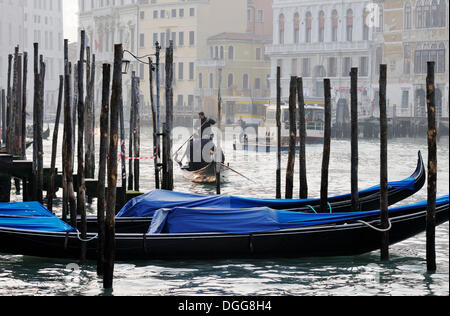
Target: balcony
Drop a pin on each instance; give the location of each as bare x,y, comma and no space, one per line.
211,63
286,49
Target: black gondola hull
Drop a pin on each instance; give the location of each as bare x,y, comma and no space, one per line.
344,239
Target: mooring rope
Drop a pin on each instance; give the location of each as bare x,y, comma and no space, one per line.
377,229
85,240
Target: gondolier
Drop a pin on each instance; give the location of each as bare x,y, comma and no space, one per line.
207,123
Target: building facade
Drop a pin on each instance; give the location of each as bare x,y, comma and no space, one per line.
188,24
25,22
107,23
415,31
244,69
325,39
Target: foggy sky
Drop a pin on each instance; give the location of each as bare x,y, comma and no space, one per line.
70,19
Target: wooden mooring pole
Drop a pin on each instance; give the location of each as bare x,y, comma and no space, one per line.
131,134
156,138
68,149
278,117
3,118
102,168
384,165
292,138
354,138
432,170
302,124
137,135
51,190
89,113
24,106
219,136
326,148
169,116
81,194
110,222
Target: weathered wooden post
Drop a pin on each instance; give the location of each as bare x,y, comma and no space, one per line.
292,138
354,138
169,115
3,131
302,124
37,127
156,139
89,112
24,106
137,134
131,134
432,170
81,194
278,179
384,164
51,190
8,105
218,153
40,141
102,168
68,149
123,191
326,147
112,169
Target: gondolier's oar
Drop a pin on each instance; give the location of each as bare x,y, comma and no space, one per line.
237,172
188,140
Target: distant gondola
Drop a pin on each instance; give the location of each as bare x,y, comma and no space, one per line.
45,134
224,233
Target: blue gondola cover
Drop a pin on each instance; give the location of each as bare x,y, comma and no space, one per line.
183,220
31,216
147,204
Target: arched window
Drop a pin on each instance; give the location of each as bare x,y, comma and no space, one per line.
230,53
334,26
407,60
308,27
200,81
296,28
419,14
230,80
321,26
349,25
427,16
245,82
441,59
435,14
443,13
365,25
221,52
281,29
211,81
407,16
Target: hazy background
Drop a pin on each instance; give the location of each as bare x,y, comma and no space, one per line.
70,19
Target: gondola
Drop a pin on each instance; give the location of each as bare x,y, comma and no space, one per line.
45,134
205,233
146,205
204,175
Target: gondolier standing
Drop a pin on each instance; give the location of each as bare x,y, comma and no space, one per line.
206,125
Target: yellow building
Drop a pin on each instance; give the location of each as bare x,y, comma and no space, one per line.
188,24
244,69
413,33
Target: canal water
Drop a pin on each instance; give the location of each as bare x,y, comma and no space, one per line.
404,274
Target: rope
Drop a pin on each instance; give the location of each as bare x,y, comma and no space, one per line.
312,208
331,209
375,228
85,240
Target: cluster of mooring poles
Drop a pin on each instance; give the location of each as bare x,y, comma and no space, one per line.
296,99
78,108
